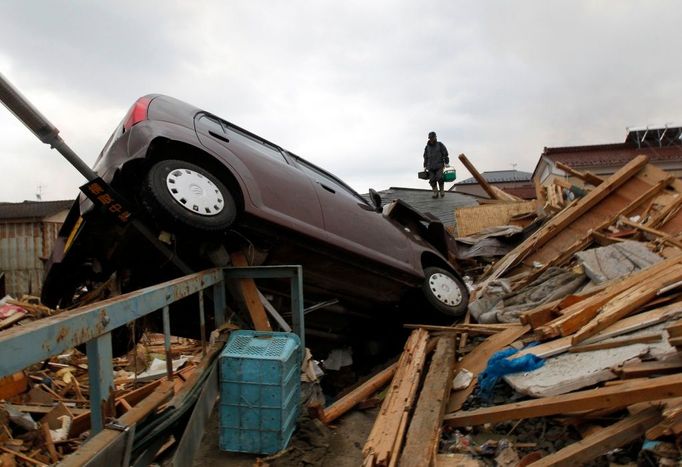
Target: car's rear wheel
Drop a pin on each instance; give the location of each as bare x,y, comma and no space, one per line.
180,194
446,292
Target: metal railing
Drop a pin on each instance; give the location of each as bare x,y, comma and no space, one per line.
23,346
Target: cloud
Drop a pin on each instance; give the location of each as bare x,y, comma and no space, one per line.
352,86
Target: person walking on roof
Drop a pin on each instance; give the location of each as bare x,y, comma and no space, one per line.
435,159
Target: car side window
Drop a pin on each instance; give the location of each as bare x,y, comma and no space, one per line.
261,146
327,181
226,132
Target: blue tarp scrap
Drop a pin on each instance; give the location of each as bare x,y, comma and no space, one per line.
500,365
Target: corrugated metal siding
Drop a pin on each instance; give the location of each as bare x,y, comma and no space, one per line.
22,245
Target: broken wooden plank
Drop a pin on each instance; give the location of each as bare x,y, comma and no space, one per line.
539,193
546,312
384,441
541,314
361,393
628,301
603,440
672,417
675,329
479,178
13,385
105,437
670,210
624,326
588,177
675,341
11,320
47,436
250,293
44,409
424,431
578,235
476,361
617,343
480,329
613,396
664,236
641,369
23,457
569,216
578,315
465,336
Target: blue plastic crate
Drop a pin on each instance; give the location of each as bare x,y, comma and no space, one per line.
260,389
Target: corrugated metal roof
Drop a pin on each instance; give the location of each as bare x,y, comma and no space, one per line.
32,209
442,208
499,176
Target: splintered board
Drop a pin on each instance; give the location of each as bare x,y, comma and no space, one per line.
473,219
602,212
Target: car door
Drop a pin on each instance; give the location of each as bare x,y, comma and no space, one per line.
354,225
280,192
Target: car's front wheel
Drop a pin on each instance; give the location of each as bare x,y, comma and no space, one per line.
183,195
445,291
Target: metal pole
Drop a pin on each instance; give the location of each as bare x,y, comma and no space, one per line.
167,342
100,375
202,323
40,126
297,313
46,132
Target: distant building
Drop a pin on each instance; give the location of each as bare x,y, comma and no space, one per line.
27,234
514,182
663,146
420,199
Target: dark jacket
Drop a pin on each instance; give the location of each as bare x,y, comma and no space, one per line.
435,156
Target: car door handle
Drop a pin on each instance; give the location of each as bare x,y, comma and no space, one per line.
329,189
216,135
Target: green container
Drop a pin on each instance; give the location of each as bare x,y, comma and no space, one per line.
449,174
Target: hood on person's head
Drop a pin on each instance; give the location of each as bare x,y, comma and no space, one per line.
432,137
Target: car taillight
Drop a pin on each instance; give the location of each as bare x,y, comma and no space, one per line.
137,113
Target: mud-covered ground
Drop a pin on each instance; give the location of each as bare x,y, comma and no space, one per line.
313,444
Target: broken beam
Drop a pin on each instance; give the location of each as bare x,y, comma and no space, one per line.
613,396
424,431
603,440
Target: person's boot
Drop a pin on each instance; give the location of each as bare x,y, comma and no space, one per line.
435,192
442,191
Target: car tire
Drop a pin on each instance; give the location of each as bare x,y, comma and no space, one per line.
182,195
446,292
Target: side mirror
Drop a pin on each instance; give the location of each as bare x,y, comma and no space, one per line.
376,199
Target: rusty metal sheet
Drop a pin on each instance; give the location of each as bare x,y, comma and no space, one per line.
22,245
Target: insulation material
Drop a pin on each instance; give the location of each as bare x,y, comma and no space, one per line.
617,260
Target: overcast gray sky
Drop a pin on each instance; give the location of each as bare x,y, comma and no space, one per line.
352,86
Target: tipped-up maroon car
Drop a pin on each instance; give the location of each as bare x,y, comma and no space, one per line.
209,187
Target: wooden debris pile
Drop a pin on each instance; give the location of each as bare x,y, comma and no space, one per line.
605,378
45,409
13,312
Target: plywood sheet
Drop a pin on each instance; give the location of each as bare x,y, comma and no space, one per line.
472,219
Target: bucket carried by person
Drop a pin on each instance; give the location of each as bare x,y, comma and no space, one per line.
449,174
